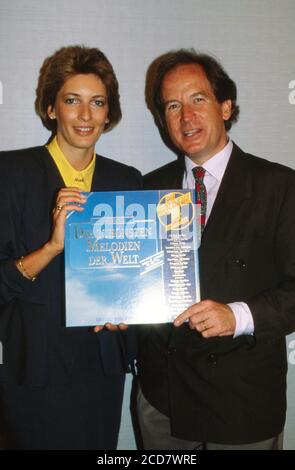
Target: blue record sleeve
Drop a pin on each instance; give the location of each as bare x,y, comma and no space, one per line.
132,257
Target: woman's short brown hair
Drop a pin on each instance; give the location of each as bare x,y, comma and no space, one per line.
67,62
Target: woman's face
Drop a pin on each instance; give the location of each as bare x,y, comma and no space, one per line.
81,111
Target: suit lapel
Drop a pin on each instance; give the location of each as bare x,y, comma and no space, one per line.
53,175
225,225
100,181
177,174
52,183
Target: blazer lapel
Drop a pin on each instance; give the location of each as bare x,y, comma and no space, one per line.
52,183
100,181
225,225
176,176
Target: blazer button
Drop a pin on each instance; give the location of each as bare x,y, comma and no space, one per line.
171,351
240,263
213,359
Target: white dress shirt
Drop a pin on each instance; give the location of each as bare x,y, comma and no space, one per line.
215,168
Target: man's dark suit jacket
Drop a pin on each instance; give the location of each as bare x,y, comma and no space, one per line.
227,390
37,348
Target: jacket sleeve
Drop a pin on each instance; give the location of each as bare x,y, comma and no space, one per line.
274,309
11,280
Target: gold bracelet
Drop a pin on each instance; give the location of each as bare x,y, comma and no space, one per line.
23,270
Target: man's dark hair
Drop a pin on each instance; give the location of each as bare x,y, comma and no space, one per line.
223,86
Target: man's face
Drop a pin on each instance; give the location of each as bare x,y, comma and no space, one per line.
194,118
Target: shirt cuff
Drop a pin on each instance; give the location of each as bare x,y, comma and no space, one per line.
244,319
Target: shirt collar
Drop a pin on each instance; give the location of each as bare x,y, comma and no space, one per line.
216,165
59,157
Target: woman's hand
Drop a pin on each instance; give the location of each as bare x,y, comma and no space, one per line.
30,265
111,327
68,199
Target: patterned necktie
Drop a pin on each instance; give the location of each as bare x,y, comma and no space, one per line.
201,193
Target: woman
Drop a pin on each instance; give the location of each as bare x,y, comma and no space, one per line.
59,388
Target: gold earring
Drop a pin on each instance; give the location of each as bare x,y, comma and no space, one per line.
51,116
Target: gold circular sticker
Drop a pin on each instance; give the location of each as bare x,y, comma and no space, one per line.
175,210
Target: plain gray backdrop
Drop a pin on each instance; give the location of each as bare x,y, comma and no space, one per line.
254,40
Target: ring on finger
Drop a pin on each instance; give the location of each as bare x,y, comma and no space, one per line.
58,207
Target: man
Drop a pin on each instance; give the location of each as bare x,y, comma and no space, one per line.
218,380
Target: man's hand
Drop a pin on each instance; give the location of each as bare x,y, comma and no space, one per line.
209,318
